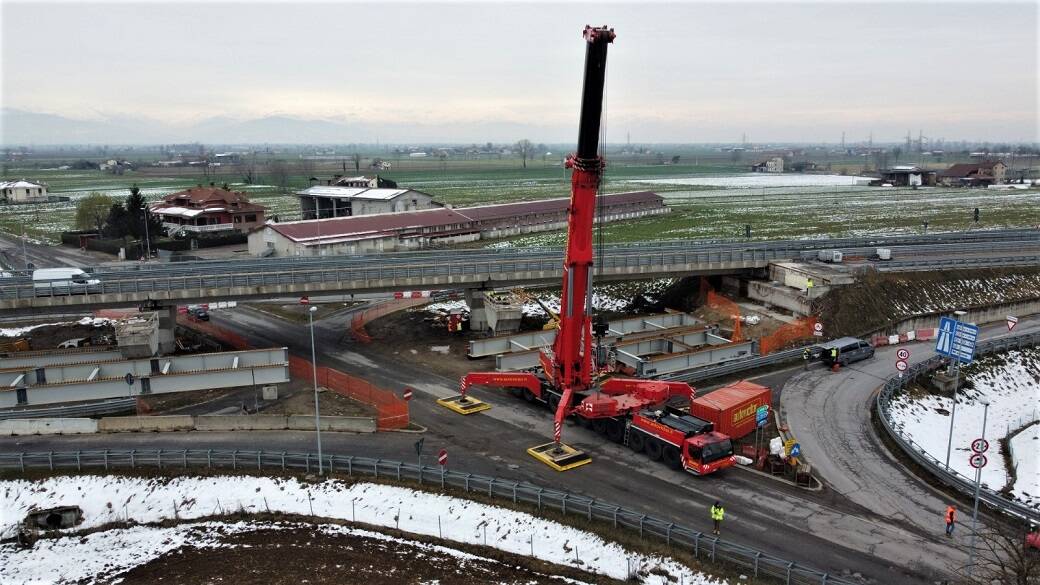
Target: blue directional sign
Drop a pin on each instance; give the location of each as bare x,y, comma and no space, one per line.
796,450
957,340
762,415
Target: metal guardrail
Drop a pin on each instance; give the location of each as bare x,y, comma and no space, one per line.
735,366
702,546
937,468
74,411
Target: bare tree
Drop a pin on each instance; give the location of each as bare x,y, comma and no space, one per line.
525,147
1001,556
279,173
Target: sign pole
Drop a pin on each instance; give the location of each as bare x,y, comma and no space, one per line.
953,411
978,482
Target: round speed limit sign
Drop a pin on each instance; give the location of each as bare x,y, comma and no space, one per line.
980,445
903,354
901,365
978,460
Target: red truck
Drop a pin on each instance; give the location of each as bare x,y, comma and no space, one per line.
680,440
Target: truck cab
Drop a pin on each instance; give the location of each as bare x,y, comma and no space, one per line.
680,440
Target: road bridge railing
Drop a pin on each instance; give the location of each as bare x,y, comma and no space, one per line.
705,547
931,463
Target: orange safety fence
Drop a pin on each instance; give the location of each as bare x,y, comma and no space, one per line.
392,410
786,335
358,320
732,310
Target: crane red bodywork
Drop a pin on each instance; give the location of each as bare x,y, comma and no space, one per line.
568,367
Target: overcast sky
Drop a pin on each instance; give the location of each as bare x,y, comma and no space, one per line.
678,72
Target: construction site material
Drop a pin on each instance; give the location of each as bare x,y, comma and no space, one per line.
502,312
126,424
138,337
667,353
36,359
732,409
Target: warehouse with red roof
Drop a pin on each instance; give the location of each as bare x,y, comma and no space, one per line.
430,228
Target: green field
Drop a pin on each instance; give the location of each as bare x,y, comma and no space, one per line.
698,211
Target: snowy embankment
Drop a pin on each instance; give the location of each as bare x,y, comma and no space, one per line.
19,331
1011,382
614,297
106,499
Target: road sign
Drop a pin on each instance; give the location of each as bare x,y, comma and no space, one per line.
901,365
978,460
305,300
407,394
1011,321
980,445
956,339
418,446
903,354
442,457
129,379
762,415
796,450
817,326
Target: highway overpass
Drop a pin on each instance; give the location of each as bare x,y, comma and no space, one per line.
252,279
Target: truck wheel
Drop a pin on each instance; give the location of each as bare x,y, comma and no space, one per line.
516,391
553,400
653,449
671,458
616,431
528,395
600,426
636,441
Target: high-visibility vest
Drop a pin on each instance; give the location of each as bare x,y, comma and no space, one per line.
834,352
717,512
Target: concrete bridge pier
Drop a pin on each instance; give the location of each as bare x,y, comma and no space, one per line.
478,320
167,329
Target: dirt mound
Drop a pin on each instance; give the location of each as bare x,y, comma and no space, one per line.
879,300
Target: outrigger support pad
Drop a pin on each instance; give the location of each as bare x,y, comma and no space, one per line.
559,456
463,404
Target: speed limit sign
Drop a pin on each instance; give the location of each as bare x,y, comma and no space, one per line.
903,354
980,445
901,365
978,460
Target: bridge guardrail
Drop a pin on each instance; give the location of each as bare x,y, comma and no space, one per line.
703,546
950,477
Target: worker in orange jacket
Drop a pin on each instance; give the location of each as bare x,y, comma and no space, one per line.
951,518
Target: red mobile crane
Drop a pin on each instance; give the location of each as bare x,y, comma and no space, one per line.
625,410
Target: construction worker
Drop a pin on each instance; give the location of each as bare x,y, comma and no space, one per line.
805,357
834,356
808,286
717,513
951,519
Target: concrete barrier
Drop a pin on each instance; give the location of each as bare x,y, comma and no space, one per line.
257,422
47,426
347,424
124,424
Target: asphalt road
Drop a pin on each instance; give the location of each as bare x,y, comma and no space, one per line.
829,413
828,530
13,254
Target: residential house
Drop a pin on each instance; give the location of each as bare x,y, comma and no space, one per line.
206,210
23,191
373,182
974,174
769,165
907,176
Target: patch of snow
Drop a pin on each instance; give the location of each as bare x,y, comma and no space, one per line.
755,180
104,499
441,349
1025,447
19,331
1011,387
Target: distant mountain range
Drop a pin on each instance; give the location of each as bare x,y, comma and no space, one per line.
22,128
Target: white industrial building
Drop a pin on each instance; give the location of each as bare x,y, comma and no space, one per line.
332,201
23,191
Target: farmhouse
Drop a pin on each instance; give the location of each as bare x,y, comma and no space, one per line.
370,182
208,209
975,174
23,191
411,230
907,176
769,165
332,201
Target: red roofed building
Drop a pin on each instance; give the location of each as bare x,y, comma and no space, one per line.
974,174
411,230
208,209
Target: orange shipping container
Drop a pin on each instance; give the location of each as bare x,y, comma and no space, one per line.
732,408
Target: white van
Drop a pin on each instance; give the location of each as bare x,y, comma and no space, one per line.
63,281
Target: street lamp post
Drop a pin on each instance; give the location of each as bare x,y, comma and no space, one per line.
953,411
978,483
314,370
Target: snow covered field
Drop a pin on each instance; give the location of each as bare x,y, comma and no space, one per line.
1010,382
1026,449
18,331
106,499
756,180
